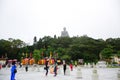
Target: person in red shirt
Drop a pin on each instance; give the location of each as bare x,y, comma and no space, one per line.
71,67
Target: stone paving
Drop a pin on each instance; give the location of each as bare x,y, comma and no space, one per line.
39,74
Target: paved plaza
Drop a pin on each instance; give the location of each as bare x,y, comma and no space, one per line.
39,74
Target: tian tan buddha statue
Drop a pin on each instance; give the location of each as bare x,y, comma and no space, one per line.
64,33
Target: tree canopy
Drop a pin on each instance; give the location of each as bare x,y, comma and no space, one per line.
73,48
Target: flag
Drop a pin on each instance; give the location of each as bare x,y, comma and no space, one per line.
30,55
23,54
26,55
50,54
42,54
5,54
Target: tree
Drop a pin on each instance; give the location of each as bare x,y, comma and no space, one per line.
17,43
5,48
36,55
106,53
46,41
115,42
11,48
66,58
118,54
64,42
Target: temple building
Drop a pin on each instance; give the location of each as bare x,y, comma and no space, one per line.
64,33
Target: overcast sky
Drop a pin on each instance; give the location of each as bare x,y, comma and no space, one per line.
24,19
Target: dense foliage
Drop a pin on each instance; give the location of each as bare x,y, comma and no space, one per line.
74,48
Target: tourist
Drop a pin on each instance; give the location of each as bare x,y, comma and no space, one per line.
46,66
71,67
13,71
52,70
20,64
26,67
64,67
55,69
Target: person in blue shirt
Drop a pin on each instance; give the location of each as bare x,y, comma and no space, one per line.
13,71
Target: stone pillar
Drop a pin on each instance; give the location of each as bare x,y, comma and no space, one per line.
59,70
89,66
94,74
118,74
85,65
79,73
38,68
67,70
33,67
93,65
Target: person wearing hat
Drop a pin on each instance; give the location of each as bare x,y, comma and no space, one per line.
13,71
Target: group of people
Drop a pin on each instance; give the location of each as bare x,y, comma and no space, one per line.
14,70
54,68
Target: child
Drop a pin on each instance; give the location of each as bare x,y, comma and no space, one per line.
52,70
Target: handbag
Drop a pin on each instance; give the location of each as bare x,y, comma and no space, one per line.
15,70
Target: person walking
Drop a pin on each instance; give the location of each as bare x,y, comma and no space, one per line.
55,69
26,67
46,66
71,67
52,70
64,67
13,71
